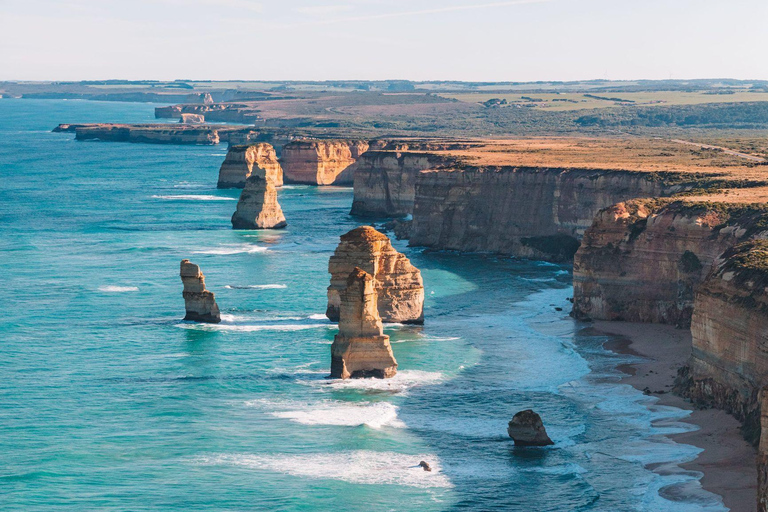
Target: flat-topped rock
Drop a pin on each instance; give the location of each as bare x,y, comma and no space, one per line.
361,349
398,284
243,160
200,304
257,207
321,162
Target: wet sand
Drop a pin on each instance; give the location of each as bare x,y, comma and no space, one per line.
728,461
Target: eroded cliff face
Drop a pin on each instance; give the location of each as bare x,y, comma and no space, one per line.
242,161
399,287
762,455
643,260
538,213
361,349
321,162
729,329
385,181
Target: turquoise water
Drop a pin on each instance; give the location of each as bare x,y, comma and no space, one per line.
108,401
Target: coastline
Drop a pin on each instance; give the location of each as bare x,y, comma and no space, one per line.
728,462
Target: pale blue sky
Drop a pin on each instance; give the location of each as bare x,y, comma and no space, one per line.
481,40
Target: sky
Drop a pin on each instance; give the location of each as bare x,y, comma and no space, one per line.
483,40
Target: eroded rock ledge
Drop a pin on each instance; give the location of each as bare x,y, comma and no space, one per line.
242,160
399,287
361,349
200,304
167,133
321,162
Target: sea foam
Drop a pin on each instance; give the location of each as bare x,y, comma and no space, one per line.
118,289
357,467
233,249
194,197
401,382
333,412
256,287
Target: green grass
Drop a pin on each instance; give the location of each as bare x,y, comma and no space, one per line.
546,100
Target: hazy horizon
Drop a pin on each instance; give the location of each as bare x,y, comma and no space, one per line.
420,40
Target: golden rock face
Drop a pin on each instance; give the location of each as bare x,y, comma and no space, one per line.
398,284
200,304
361,349
321,162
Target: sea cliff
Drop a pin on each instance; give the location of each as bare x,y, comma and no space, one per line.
529,212
385,181
729,329
643,260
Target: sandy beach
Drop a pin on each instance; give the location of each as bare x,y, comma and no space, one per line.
728,461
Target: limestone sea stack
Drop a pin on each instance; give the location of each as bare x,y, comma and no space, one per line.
321,162
257,207
200,303
242,161
399,287
527,429
361,349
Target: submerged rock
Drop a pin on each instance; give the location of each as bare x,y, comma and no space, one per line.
399,287
199,303
243,160
527,429
361,349
258,207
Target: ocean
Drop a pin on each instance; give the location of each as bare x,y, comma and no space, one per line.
108,401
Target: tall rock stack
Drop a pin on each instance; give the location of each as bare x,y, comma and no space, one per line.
361,349
258,207
242,161
398,284
200,303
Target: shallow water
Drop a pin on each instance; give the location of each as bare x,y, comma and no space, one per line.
110,402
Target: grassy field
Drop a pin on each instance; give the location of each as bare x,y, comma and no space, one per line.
580,101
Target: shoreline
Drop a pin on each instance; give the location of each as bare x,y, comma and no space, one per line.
728,462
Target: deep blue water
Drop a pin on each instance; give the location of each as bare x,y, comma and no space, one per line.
108,401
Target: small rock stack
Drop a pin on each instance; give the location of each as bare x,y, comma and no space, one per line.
361,349
527,429
200,304
399,287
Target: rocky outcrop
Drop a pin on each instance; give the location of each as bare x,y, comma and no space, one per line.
643,260
384,181
257,207
361,349
729,329
399,287
242,161
321,162
200,304
192,119
529,212
167,133
527,429
153,134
